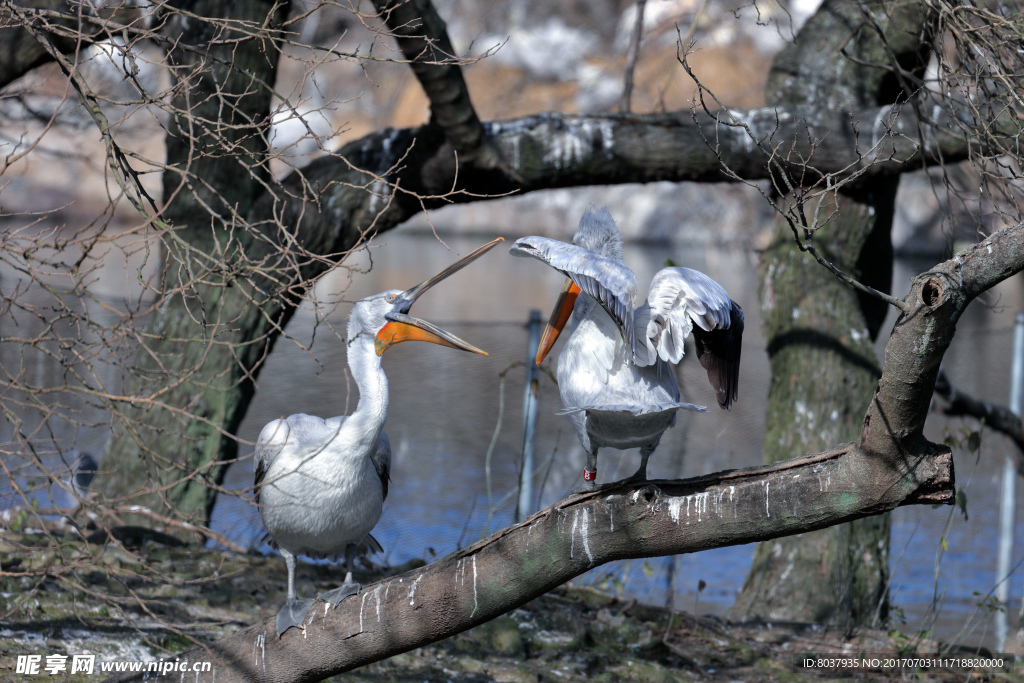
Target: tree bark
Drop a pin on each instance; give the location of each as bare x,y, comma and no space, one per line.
891,464
823,373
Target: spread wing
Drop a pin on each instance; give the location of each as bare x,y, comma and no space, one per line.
682,300
303,435
608,281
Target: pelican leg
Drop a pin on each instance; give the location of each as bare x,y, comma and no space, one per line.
293,613
645,454
641,474
348,588
589,482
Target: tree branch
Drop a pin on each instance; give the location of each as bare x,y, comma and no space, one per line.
387,177
993,415
894,424
423,38
513,566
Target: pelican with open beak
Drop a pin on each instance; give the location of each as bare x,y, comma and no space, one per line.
321,484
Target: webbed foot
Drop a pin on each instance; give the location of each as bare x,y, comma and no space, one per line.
293,613
338,594
637,478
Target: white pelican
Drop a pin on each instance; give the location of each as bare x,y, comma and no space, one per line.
614,374
321,484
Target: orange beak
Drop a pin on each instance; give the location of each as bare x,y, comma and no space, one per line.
414,329
403,327
559,316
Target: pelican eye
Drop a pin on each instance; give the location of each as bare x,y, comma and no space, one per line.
390,298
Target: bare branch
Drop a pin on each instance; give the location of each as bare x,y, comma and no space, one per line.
992,415
423,39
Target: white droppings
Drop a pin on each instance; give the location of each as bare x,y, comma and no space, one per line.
260,647
785,573
412,592
566,148
376,594
765,485
700,505
361,604
585,534
474,588
674,507
388,141
607,134
576,141
584,528
379,193
804,416
572,535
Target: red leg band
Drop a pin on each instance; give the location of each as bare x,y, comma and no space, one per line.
589,475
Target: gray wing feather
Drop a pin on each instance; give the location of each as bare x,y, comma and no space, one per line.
608,281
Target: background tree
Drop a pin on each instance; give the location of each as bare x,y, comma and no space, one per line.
818,329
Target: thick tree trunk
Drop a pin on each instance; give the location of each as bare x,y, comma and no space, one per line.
819,331
823,374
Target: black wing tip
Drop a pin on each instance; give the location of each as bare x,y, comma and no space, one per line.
719,353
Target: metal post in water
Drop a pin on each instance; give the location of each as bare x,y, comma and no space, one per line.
1007,500
525,506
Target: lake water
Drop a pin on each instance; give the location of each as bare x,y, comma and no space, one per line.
445,406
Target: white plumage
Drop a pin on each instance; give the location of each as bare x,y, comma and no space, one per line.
614,373
321,484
